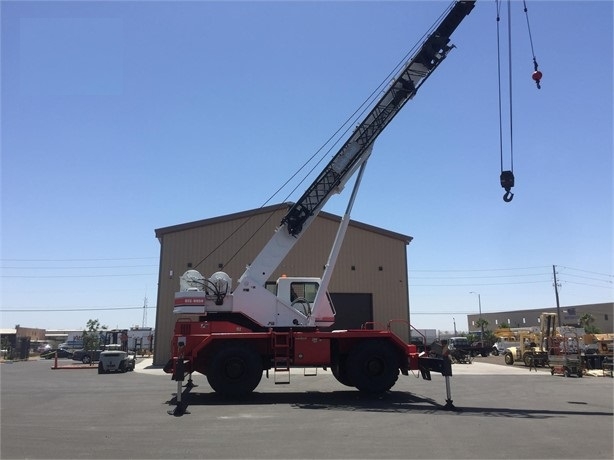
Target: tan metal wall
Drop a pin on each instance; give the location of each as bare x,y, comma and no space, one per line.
378,260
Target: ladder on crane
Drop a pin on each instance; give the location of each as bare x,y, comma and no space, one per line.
281,357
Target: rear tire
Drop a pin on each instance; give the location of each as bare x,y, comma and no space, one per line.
340,372
373,367
235,371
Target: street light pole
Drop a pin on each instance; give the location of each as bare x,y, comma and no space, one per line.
480,317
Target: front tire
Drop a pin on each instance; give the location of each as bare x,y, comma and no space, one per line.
528,360
235,371
86,359
340,372
373,367
509,359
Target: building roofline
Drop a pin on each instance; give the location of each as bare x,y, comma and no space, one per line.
160,232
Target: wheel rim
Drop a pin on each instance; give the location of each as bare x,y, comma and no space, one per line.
374,367
234,368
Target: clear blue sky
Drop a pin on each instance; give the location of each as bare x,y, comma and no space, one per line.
122,117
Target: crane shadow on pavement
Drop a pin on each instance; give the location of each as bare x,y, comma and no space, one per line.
390,402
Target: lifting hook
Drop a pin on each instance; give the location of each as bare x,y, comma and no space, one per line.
507,182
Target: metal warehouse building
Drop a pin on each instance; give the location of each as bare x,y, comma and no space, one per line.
369,282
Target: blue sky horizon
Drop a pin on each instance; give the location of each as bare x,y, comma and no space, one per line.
118,118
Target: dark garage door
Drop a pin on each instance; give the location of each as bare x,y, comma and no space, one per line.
353,310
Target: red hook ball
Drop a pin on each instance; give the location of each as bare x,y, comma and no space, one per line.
537,75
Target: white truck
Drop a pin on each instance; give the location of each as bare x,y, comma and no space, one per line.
502,344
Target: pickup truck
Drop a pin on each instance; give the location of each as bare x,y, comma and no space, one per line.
473,349
503,344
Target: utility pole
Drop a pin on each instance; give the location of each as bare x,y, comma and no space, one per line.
480,312
556,293
144,312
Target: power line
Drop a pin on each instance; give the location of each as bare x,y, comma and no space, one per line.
42,310
478,277
477,284
586,271
77,267
78,276
77,260
483,269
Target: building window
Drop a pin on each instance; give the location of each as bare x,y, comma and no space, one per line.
524,321
496,321
606,317
473,323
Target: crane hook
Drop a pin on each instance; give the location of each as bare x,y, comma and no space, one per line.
507,182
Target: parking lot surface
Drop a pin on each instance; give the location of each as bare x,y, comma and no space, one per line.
503,412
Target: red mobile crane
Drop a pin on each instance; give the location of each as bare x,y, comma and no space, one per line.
242,332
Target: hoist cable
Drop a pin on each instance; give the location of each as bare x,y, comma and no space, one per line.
499,87
331,142
507,176
526,13
509,52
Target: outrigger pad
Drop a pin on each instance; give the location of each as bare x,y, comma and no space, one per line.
441,365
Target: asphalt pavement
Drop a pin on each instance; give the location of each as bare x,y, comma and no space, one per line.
502,412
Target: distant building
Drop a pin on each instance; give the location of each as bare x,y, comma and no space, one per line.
602,313
18,342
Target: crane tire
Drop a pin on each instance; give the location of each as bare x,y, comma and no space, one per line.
234,371
340,372
373,366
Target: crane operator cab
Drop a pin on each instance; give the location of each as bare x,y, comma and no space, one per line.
299,293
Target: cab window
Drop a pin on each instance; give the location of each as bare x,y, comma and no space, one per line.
303,290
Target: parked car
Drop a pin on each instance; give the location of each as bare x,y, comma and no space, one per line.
44,348
86,356
50,354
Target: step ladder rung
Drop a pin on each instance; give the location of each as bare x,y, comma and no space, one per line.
281,357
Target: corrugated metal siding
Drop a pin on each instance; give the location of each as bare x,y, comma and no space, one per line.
218,242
